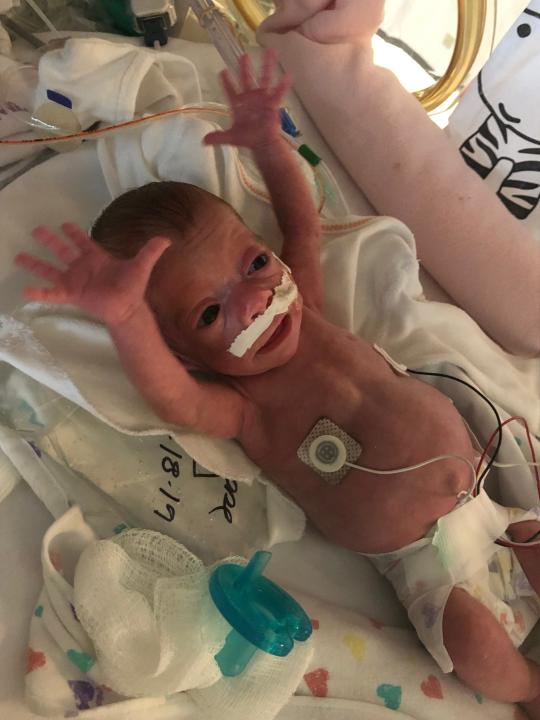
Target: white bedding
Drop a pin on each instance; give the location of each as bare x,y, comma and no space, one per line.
311,566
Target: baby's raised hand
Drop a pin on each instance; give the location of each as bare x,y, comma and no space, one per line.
255,108
105,287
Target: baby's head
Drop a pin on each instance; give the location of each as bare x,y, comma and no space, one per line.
212,282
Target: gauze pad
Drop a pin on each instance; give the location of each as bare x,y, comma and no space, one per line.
284,295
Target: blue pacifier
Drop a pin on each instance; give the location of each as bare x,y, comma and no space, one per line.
262,615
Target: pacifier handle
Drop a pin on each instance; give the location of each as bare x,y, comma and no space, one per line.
261,614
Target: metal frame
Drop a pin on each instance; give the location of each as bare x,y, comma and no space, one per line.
470,29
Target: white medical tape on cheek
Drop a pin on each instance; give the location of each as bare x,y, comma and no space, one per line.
284,295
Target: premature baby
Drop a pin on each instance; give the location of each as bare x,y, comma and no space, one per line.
183,285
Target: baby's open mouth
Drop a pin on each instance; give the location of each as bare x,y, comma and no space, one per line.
280,333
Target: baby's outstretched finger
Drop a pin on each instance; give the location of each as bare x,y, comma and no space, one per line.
49,295
78,237
54,243
150,253
267,72
38,267
219,137
281,88
229,86
246,73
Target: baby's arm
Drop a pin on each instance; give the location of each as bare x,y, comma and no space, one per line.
256,125
112,291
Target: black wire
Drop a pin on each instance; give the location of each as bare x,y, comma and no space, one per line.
491,405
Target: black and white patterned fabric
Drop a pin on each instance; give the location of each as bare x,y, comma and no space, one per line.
497,122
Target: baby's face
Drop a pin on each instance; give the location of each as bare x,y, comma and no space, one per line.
207,290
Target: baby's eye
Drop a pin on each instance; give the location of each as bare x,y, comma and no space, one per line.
259,262
208,316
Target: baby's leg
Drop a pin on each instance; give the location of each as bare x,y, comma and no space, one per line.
483,654
529,558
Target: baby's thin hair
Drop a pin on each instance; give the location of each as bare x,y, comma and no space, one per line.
165,208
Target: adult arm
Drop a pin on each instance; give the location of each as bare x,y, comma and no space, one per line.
466,239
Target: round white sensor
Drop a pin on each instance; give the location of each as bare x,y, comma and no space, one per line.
327,453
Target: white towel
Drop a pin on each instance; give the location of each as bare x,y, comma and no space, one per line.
113,82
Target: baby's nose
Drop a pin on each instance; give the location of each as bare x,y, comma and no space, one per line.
253,303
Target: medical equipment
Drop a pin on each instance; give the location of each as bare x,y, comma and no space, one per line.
42,16
328,455
150,18
57,113
226,41
262,615
327,449
487,400
221,31
153,18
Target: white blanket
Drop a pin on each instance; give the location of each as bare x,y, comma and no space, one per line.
349,657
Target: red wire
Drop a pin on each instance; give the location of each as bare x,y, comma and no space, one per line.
529,440
509,543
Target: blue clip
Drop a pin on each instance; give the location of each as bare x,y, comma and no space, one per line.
287,123
56,97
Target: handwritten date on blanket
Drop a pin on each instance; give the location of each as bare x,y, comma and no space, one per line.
171,467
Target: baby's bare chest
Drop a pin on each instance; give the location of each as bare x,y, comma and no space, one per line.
396,420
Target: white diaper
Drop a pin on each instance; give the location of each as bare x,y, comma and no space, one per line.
459,551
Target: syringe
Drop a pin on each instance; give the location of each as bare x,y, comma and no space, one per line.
229,46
